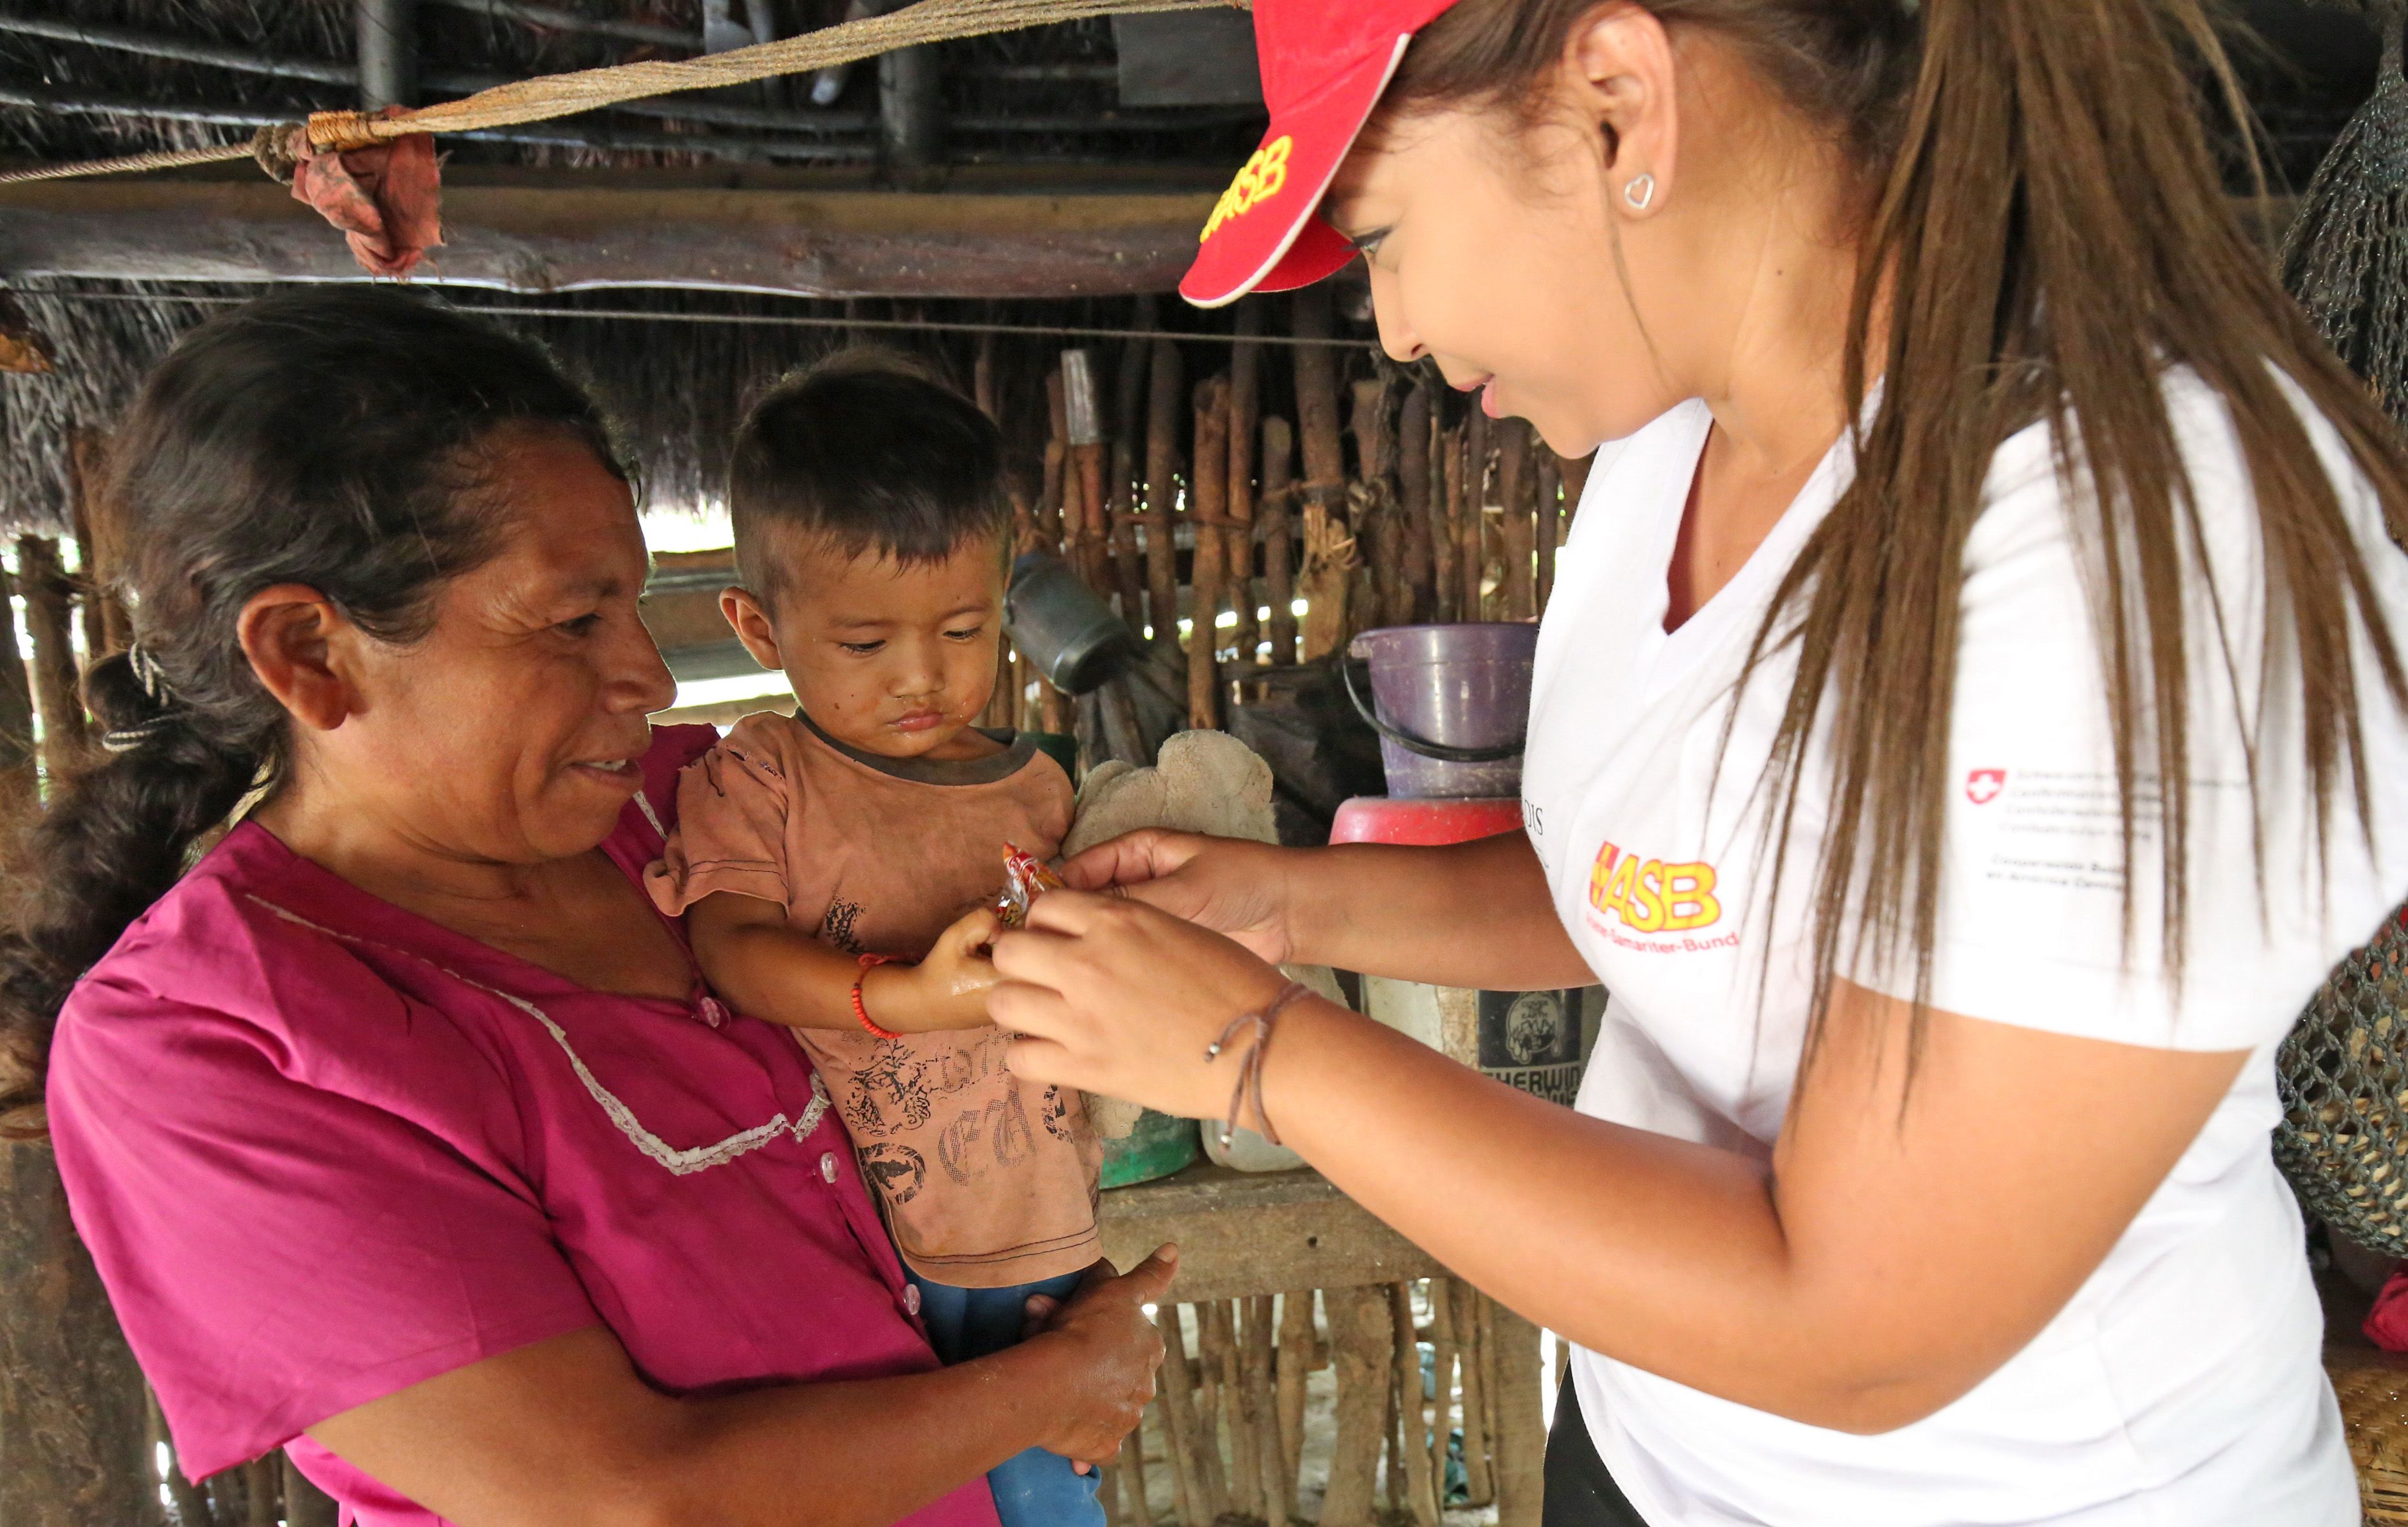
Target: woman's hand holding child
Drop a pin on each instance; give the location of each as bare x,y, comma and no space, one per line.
1117,1351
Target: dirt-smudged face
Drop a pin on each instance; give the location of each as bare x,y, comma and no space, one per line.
894,658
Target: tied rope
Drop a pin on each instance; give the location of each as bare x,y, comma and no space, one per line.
588,90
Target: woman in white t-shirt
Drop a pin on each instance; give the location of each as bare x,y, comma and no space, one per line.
1957,838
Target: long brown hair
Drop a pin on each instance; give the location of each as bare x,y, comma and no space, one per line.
2045,221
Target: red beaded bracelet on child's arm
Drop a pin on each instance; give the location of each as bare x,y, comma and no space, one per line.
868,964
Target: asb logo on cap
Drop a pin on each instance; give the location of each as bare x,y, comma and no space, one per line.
1263,176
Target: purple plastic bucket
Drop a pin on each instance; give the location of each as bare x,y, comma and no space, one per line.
1451,704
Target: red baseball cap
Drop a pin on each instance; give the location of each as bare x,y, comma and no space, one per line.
1325,63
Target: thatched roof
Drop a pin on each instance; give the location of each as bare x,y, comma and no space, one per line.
680,387
1046,97
1047,94
675,388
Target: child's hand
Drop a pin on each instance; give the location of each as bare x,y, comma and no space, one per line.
948,988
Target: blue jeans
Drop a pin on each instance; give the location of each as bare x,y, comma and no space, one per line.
1036,1489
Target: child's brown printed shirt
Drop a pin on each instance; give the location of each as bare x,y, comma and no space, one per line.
986,1183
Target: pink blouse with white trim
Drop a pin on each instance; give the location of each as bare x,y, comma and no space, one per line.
322,1148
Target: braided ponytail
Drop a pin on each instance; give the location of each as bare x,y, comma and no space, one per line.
327,438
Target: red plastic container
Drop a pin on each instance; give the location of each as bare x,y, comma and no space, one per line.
1425,824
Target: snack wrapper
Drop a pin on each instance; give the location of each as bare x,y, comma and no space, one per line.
1025,879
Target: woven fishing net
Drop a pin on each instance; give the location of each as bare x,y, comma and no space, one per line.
2346,257
2344,1080
2343,1071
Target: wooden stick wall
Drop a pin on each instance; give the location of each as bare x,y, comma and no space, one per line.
1226,1439
1229,480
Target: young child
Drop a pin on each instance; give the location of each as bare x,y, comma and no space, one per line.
834,864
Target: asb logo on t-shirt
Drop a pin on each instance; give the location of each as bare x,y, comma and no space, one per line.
1650,896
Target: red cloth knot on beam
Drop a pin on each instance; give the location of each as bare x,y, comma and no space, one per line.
386,197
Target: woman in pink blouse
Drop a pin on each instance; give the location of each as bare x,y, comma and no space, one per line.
401,1128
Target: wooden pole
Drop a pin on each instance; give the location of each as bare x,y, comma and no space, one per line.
1208,1414
1316,396
1277,1470
982,385
911,115
1084,424
1278,536
1379,526
1129,427
1245,1462
1442,1302
190,1501
18,785
49,622
1464,1301
1576,470
1141,1507
263,1490
1079,547
1421,1498
1024,714
1324,446
1473,554
1446,539
1551,522
1332,559
387,30
1052,522
1161,489
572,228
1049,531
1245,412
1414,501
74,1446
1177,1422
1207,494
1001,707
1360,1333
305,1504
1296,1355
1515,489
1521,1435
1393,1428
106,626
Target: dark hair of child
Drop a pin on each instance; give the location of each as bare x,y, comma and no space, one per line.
864,452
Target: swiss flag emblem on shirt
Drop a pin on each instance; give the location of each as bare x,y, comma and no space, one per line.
1982,786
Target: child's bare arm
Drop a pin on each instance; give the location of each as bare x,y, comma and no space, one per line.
772,970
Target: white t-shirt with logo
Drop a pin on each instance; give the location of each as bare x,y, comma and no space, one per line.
2182,1386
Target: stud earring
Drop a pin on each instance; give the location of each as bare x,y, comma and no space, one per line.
1640,192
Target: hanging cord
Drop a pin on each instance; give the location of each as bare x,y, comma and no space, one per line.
588,90
786,321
